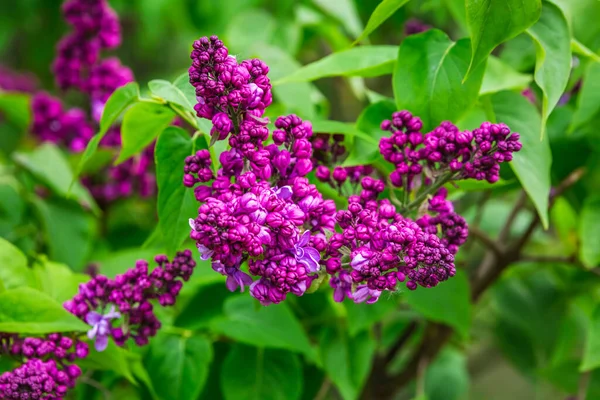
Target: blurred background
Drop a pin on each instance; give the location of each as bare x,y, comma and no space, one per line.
538,306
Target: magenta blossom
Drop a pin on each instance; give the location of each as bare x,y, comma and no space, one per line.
101,326
309,256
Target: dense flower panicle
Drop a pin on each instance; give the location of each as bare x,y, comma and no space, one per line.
224,86
13,81
51,123
104,78
37,379
473,154
102,301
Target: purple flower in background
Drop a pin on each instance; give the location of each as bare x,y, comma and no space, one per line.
101,326
305,254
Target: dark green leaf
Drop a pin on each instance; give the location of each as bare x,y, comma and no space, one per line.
447,377
71,242
589,232
500,76
552,37
113,358
343,128
588,100
210,300
347,361
252,373
362,316
178,366
176,204
273,326
383,11
121,98
492,22
48,164
428,74
26,310
449,303
532,163
142,123
14,271
168,91
591,355
365,61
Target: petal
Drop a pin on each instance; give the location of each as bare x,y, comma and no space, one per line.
284,192
92,332
338,295
192,223
231,283
101,343
312,253
112,314
304,239
93,318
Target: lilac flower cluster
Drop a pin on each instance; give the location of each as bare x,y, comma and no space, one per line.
128,298
473,154
414,26
95,27
48,368
328,153
51,123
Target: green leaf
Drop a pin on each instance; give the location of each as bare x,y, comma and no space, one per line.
117,262
252,373
492,22
365,61
176,204
363,316
531,164
48,164
182,83
344,128
553,57
589,232
345,12
26,310
448,303
274,326
121,98
588,100
168,91
383,11
500,76
16,108
447,377
113,358
57,280
565,220
428,74
14,271
210,300
347,361
580,49
71,242
178,366
591,354
142,123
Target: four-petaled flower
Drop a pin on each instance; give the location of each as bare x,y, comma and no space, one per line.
101,327
309,256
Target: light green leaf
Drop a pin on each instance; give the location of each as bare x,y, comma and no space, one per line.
142,123
448,303
363,316
591,354
492,22
565,220
168,91
176,204
383,11
113,358
178,366
365,61
500,76
183,84
16,108
588,100
48,164
347,361
553,57
252,373
121,98
274,326
589,232
447,377
532,163
117,262
14,271
26,310
345,12
428,74
57,280
344,128
579,48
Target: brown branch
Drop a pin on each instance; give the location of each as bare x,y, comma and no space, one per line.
490,243
381,385
393,351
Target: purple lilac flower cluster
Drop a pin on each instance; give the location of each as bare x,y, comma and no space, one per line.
259,209
328,153
128,298
51,123
47,369
414,26
473,154
11,81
